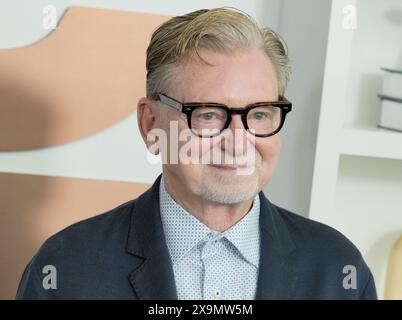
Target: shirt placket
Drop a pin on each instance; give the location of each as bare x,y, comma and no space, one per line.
212,275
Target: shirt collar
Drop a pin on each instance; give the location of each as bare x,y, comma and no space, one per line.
183,231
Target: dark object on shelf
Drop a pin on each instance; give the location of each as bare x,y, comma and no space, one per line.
391,97
391,113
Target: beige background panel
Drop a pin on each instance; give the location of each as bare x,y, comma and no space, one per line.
83,77
35,207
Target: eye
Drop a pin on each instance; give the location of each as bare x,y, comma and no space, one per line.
260,115
208,116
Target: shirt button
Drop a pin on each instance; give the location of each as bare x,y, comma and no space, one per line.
217,294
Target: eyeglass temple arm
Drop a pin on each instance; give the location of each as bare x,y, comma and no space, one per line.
170,102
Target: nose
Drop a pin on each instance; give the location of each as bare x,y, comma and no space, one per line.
235,140
236,122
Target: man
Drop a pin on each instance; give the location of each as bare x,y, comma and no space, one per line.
214,107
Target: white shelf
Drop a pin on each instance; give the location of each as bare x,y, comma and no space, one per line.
357,179
371,141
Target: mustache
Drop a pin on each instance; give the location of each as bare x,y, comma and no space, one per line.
252,158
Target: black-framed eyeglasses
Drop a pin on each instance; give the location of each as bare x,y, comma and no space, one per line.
262,119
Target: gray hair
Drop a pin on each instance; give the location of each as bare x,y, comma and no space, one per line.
220,30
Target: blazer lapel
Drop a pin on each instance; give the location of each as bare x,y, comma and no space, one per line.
154,277
278,256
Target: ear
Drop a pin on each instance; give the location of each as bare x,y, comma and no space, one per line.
147,120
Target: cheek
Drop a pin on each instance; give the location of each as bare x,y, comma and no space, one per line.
269,149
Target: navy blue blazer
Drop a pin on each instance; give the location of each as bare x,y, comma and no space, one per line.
122,254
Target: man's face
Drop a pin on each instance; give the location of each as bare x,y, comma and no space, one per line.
236,80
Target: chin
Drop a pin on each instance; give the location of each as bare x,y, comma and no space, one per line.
228,197
228,190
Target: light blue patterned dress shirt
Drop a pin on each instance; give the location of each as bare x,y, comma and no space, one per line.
208,264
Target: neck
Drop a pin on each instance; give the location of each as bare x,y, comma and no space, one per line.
216,216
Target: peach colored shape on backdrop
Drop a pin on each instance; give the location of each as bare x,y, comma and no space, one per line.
83,77
35,207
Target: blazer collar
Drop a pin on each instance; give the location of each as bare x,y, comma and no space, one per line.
154,277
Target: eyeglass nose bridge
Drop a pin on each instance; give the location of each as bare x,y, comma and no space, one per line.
242,112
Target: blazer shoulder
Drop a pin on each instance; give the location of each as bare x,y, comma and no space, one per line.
104,231
327,252
81,253
310,234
